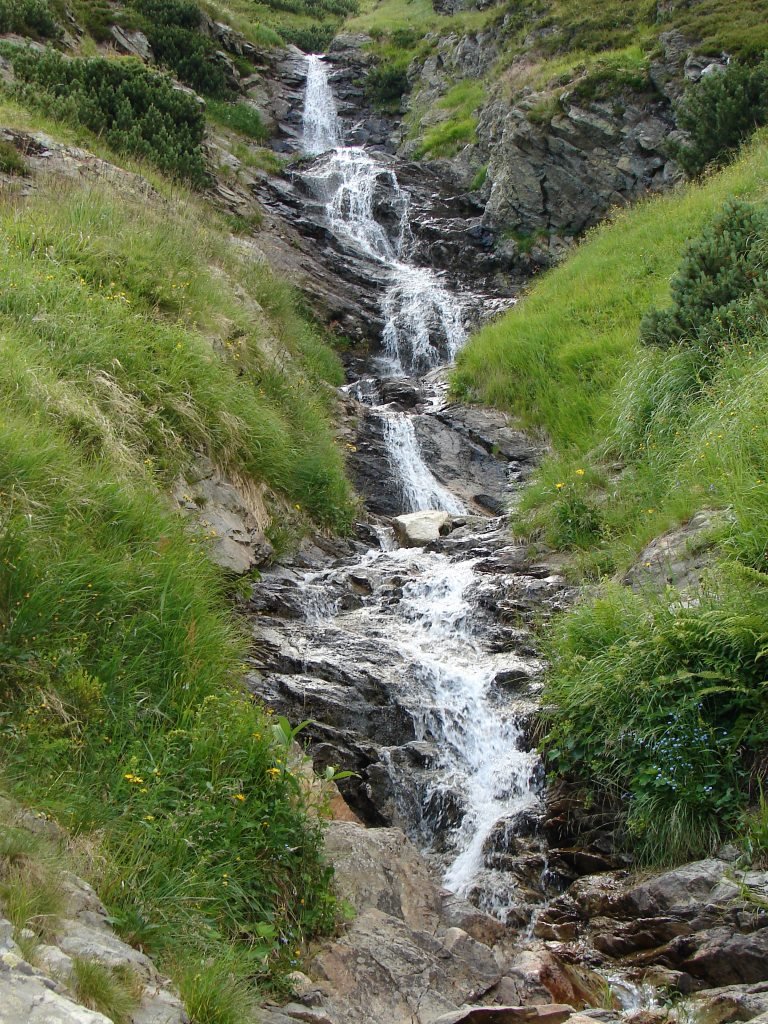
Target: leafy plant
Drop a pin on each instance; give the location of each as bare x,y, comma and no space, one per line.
720,112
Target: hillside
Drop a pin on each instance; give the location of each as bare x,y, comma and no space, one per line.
166,398
645,439
211,574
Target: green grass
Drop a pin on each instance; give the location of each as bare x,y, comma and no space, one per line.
384,17
557,358
240,117
108,990
461,104
659,704
133,338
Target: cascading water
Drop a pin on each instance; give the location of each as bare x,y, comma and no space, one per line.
367,208
320,120
430,630
420,490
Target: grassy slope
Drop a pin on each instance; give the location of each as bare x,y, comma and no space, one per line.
133,337
662,704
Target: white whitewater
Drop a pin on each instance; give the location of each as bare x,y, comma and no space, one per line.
417,308
320,119
421,491
479,742
423,319
479,748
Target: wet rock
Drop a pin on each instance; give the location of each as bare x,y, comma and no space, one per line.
458,912
419,528
400,391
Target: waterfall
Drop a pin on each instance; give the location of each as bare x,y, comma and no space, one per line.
420,489
320,120
480,748
423,323
448,670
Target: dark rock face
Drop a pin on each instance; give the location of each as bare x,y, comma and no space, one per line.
563,177
696,920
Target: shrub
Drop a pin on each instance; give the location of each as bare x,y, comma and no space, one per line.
309,38
386,84
135,110
665,705
29,18
722,283
720,112
11,161
173,30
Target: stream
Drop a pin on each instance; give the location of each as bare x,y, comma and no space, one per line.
402,656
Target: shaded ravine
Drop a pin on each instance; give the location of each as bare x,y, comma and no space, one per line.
406,658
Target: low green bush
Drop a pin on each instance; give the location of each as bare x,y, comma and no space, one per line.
720,112
311,38
135,110
29,18
386,84
664,706
723,278
11,160
173,30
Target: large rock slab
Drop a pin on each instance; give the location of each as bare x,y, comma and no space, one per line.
381,972
381,868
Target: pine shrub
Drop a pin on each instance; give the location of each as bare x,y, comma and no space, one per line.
29,18
173,30
134,109
721,285
720,112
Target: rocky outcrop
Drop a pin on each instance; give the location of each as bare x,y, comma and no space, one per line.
39,987
677,558
412,954
705,923
231,514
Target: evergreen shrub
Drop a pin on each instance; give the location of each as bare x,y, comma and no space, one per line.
720,112
136,111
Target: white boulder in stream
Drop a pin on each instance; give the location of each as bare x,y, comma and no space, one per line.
416,529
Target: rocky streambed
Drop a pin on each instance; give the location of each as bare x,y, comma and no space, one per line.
475,892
